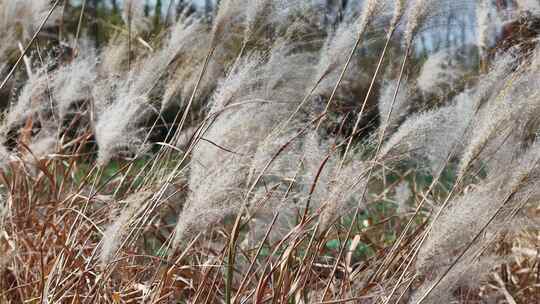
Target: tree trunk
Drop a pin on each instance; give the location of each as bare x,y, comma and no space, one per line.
157,14
449,21
146,9
504,4
114,4
95,23
207,8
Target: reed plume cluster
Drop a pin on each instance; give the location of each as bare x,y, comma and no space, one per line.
270,150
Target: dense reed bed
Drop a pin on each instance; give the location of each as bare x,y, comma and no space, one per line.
270,152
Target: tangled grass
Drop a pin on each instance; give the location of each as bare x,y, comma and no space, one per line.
259,157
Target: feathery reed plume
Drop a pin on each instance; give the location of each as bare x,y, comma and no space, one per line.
28,14
490,84
249,103
113,57
72,84
485,210
227,12
214,195
438,70
187,38
134,17
483,26
369,12
333,55
236,84
470,272
497,119
260,14
345,192
255,11
531,6
283,9
341,45
5,158
217,172
45,143
264,206
420,134
397,14
121,124
117,230
402,195
246,147
186,80
118,127
457,225
282,167
49,97
388,105
275,166
32,99
337,189
419,12
184,36
401,104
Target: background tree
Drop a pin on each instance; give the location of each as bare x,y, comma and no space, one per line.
157,14
95,23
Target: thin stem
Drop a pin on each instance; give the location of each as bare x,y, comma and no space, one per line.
341,76
368,94
79,25
21,57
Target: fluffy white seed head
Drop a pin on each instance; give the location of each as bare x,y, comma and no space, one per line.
397,109
185,35
345,193
398,12
113,58
260,93
421,133
5,158
470,271
402,196
123,110
73,83
28,14
119,228
531,6
227,12
337,189
255,11
419,12
470,213
510,103
483,25
32,99
42,145
188,36
133,16
333,57
369,12
439,70
118,128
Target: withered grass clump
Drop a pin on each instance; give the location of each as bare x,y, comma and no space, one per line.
211,159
